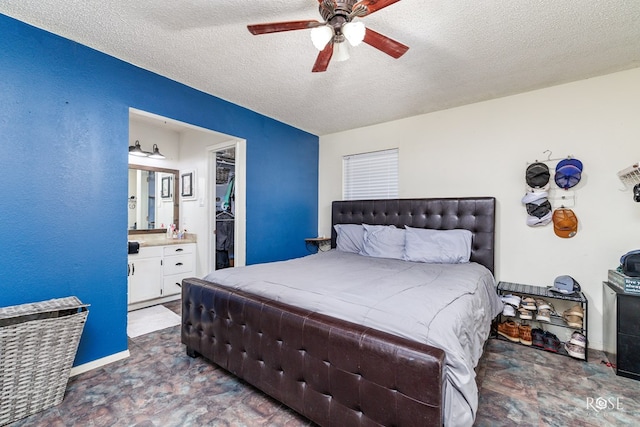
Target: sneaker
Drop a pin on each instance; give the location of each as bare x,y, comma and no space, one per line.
525,314
545,313
525,334
551,342
513,300
576,310
529,303
574,350
573,321
537,337
543,316
508,311
543,305
578,339
509,330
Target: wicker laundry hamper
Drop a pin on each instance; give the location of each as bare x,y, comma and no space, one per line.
38,343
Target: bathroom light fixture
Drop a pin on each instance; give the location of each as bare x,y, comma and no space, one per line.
136,150
156,153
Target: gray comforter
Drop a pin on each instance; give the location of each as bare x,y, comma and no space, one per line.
449,306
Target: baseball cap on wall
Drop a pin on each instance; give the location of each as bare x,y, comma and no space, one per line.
534,221
568,173
565,223
539,208
537,175
534,196
565,285
546,187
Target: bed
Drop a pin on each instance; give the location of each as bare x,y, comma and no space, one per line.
305,333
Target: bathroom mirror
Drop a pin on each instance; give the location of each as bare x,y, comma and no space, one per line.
152,203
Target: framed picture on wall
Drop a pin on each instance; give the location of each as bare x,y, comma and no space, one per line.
165,190
187,185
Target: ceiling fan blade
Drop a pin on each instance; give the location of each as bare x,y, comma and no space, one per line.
322,61
372,5
276,27
385,44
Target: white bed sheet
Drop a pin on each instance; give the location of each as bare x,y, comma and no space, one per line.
449,306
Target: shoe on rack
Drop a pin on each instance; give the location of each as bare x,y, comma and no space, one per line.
573,321
513,300
551,342
537,337
529,303
509,330
578,339
508,311
576,310
543,316
525,314
574,350
525,334
543,305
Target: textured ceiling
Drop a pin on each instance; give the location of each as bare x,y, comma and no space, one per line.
461,51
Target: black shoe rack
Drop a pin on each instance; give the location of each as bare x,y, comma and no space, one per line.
523,291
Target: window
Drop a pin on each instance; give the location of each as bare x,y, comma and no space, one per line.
370,175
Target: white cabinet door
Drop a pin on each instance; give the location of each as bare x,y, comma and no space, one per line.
172,285
145,275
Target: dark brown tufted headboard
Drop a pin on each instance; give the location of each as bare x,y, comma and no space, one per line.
476,214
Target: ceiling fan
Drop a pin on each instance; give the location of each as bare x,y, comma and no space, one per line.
338,27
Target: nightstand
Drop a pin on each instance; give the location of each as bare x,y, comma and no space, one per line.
315,244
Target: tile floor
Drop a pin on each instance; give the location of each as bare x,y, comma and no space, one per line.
527,387
159,385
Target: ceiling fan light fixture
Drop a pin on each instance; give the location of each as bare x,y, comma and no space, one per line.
340,52
322,35
337,26
354,32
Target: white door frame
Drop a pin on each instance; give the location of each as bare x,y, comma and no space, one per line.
240,188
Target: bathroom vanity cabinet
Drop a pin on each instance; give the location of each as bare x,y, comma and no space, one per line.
144,274
155,273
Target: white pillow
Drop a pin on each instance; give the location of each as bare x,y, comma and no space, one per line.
437,246
383,241
350,237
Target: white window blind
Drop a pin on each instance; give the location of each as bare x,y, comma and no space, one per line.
370,175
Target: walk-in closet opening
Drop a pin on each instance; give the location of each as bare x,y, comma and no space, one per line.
225,207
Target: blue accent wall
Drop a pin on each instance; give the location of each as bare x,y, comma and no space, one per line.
64,120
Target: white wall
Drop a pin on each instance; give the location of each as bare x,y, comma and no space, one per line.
185,149
168,142
483,149
194,155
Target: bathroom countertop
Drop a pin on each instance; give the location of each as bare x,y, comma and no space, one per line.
161,240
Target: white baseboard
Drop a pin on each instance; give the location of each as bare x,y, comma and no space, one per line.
596,345
80,369
149,303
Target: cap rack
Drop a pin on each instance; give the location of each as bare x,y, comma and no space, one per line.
630,176
560,198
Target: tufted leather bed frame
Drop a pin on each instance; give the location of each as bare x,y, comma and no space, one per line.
334,372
